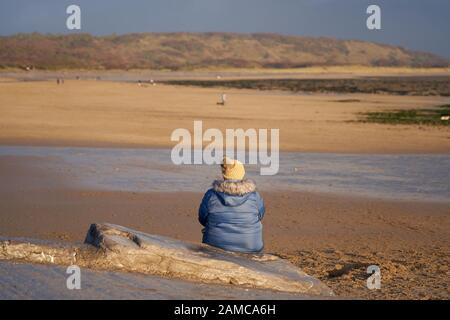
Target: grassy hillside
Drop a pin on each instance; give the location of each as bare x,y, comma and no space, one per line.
200,50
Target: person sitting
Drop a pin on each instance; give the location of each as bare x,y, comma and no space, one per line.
232,210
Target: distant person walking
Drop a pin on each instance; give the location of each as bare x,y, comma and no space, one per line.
232,210
223,99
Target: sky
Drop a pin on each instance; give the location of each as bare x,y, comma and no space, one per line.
414,24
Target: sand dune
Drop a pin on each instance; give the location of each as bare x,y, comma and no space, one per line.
176,51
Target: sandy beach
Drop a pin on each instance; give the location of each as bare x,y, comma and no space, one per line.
225,150
96,113
332,237
321,233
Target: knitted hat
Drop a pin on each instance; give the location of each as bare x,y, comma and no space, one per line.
232,169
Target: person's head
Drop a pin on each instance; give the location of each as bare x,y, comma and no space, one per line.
232,169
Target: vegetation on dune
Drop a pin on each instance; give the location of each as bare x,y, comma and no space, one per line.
413,116
200,50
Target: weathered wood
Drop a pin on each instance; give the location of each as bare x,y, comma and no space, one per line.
116,248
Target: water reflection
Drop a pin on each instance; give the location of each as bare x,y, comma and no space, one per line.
421,177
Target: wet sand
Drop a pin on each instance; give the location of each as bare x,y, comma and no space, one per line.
318,232
97,113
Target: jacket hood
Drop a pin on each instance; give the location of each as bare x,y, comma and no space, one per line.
233,192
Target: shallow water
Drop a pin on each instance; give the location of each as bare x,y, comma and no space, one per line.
32,281
409,177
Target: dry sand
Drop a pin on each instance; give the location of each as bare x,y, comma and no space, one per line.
96,113
320,233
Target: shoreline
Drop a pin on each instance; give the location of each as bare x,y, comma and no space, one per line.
371,177
112,145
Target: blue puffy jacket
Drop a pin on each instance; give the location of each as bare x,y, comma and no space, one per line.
231,212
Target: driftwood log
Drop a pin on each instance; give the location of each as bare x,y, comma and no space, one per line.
115,248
